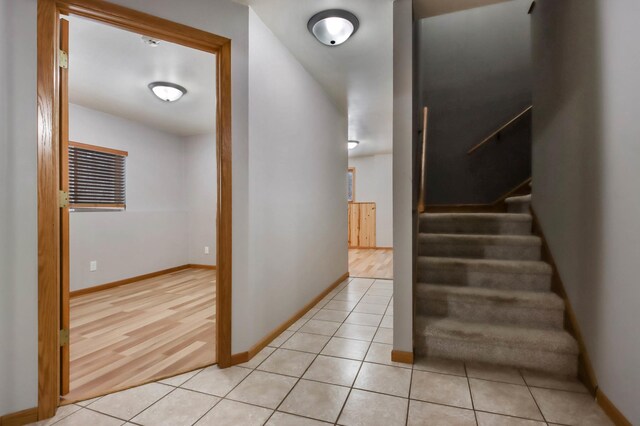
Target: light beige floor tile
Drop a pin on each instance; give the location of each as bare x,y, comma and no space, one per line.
337,371
88,401
384,335
310,313
346,348
278,341
325,328
320,401
232,413
382,283
437,365
180,408
384,379
363,283
389,310
494,372
285,419
305,342
340,305
373,409
296,325
387,321
542,380
358,332
217,381
441,389
258,358
263,389
386,292
179,379
364,319
348,296
504,398
488,419
381,354
425,413
376,300
331,315
368,308
289,363
86,417
569,408
126,404
61,413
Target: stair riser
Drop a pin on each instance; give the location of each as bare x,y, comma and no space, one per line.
501,314
496,280
480,251
518,208
550,362
476,227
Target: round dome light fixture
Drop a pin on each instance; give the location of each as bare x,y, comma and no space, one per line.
352,144
333,27
168,92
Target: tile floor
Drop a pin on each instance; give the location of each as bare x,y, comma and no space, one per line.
333,367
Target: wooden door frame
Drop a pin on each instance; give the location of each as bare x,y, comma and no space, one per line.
48,151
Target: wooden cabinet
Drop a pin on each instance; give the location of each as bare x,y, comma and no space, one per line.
362,225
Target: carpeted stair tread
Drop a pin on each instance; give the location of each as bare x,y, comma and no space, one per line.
479,239
523,299
486,265
476,223
519,199
499,335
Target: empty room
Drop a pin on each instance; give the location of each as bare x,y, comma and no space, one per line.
139,234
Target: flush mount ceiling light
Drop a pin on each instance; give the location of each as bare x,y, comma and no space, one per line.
353,144
167,92
333,27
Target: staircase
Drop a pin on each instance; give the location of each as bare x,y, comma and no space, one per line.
484,295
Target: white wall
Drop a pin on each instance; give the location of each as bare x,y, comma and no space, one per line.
201,192
18,207
152,234
307,265
374,183
403,200
297,163
585,175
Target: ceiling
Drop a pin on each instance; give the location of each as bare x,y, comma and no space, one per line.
357,75
110,69
427,8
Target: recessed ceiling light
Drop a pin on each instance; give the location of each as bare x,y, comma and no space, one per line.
168,92
353,144
333,27
150,41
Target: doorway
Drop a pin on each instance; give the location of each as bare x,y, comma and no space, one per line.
53,207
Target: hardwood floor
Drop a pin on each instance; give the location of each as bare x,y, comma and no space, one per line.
142,332
371,263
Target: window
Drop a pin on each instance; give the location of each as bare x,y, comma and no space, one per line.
96,177
351,184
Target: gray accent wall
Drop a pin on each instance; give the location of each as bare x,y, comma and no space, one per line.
474,74
586,157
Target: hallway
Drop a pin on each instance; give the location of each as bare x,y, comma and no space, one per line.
333,367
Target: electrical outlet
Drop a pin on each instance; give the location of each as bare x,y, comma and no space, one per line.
93,266
206,250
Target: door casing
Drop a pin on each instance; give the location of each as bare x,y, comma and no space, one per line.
48,169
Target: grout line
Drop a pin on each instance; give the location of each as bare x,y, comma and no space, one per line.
473,406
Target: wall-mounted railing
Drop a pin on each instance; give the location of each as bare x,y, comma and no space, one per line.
422,203
496,135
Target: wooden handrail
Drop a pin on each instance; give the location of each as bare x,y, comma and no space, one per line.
502,128
422,203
